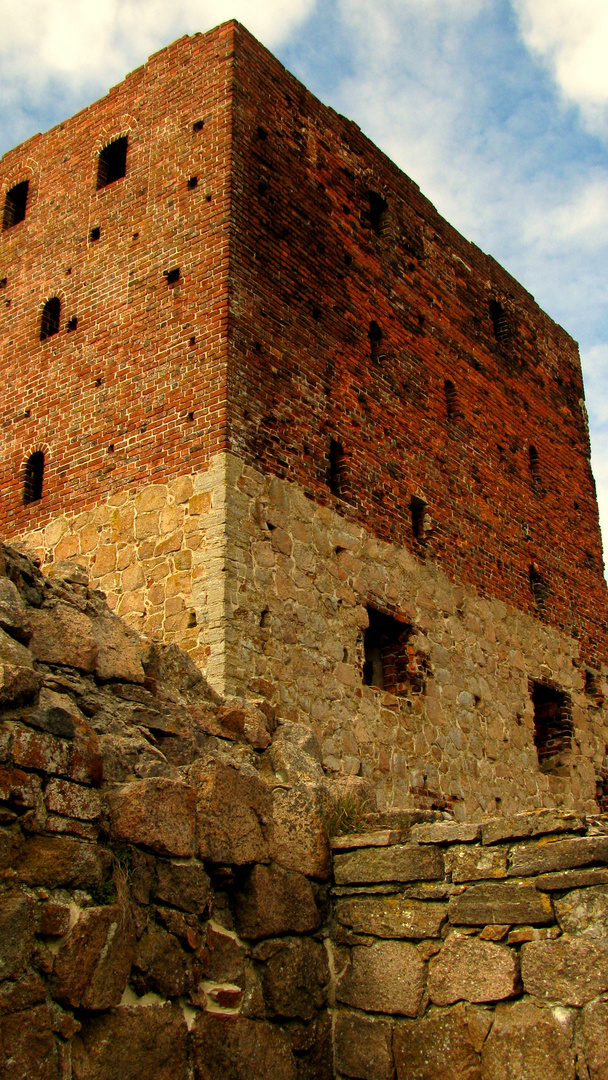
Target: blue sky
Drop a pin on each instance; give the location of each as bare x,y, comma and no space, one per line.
497,108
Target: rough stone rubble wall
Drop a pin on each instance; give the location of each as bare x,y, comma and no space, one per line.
158,554
277,587
166,905
473,951
164,858
300,577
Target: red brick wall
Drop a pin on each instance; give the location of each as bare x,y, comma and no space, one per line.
144,354
310,275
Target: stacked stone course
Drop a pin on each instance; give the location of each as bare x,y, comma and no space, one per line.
473,950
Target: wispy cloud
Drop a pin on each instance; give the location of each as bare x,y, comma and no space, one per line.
571,38
58,54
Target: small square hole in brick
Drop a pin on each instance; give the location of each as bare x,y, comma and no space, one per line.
192,182
198,125
172,276
72,324
95,234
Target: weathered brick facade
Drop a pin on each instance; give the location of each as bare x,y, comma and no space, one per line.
338,404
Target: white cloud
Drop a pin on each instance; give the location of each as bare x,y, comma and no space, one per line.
571,37
89,42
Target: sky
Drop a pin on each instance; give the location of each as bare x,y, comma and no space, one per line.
498,109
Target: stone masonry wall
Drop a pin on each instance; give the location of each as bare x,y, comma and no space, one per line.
300,579
168,904
473,951
158,554
277,589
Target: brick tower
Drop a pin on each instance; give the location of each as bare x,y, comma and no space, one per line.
290,419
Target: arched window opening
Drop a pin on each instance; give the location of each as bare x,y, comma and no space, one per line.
375,214
418,508
32,480
112,162
49,323
15,204
503,330
451,399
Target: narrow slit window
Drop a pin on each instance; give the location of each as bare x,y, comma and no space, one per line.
49,323
375,340
390,662
15,204
538,586
553,727
418,508
34,474
451,399
501,323
337,479
376,211
534,465
112,163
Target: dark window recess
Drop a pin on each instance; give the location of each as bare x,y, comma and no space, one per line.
338,475
192,182
538,586
503,330
49,323
95,234
112,163
390,661
451,400
198,125
374,215
602,785
593,688
32,480
15,204
553,728
191,618
172,276
375,339
72,324
3,283
418,508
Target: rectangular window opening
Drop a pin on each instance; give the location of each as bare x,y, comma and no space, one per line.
15,204
418,507
553,728
390,662
112,163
